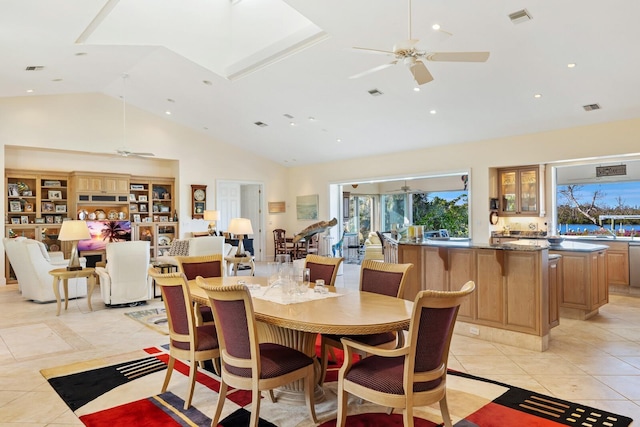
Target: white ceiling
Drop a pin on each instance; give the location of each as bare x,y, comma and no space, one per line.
300,57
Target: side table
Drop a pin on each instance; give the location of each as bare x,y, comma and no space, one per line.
65,275
164,268
235,261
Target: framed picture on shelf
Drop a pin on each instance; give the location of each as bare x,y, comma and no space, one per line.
48,219
143,208
57,220
24,219
132,197
136,218
142,198
14,206
27,193
12,190
156,218
47,207
164,218
39,220
133,208
28,207
136,187
55,195
61,208
15,220
52,183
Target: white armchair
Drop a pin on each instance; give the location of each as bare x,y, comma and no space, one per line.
124,280
31,262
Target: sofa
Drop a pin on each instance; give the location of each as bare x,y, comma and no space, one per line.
373,247
196,246
31,262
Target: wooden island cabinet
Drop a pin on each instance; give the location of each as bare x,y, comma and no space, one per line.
517,293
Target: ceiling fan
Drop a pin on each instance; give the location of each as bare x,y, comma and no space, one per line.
124,151
405,189
407,52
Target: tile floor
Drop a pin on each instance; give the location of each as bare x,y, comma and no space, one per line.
595,362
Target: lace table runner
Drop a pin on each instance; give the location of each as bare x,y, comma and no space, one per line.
276,295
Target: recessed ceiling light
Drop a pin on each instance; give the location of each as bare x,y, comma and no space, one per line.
168,113
432,112
338,140
292,124
416,89
435,27
29,90
571,65
312,119
537,95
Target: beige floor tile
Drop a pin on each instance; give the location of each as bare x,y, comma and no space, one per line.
626,385
576,387
605,366
489,365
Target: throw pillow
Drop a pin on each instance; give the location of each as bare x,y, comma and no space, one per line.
179,248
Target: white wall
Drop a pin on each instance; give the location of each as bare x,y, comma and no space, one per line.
93,123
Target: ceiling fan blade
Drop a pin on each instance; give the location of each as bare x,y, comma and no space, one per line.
374,51
374,69
457,56
143,154
420,73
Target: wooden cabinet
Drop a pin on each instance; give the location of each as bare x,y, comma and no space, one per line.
584,283
92,183
36,197
162,200
555,285
519,191
159,234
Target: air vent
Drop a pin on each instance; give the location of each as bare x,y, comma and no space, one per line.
261,124
520,16
288,116
34,68
375,92
591,107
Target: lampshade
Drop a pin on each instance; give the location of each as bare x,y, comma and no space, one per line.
74,230
211,215
240,226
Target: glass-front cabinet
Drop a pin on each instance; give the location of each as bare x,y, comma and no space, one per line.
519,190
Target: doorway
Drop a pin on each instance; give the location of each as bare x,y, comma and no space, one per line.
238,199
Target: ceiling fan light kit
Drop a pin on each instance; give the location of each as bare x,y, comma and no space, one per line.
407,53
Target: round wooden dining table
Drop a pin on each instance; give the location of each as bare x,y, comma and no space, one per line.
297,324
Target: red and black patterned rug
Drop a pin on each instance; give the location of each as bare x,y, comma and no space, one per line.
123,391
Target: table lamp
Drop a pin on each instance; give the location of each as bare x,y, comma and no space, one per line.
212,217
240,228
72,231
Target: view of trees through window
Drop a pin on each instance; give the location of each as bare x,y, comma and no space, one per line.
579,207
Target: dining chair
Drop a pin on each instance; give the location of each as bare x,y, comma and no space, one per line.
377,277
187,341
248,364
280,243
413,375
205,266
322,267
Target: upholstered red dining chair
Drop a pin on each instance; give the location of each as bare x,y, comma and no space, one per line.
205,266
413,375
322,267
187,341
247,364
381,278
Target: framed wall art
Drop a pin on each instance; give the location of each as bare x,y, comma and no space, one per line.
277,207
307,207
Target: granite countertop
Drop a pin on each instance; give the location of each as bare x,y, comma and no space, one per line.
517,245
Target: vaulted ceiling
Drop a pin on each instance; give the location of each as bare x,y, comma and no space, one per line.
221,66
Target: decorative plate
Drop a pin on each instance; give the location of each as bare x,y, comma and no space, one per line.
82,214
100,214
92,216
113,215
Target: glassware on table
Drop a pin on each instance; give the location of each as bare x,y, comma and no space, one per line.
303,277
283,258
320,287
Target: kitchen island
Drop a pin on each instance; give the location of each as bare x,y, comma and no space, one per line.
512,303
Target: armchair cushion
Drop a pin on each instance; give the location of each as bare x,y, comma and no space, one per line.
125,278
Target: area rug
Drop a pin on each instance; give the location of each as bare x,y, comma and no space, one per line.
154,318
124,390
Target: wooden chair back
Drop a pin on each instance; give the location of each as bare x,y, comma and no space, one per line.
383,277
322,267
203,265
